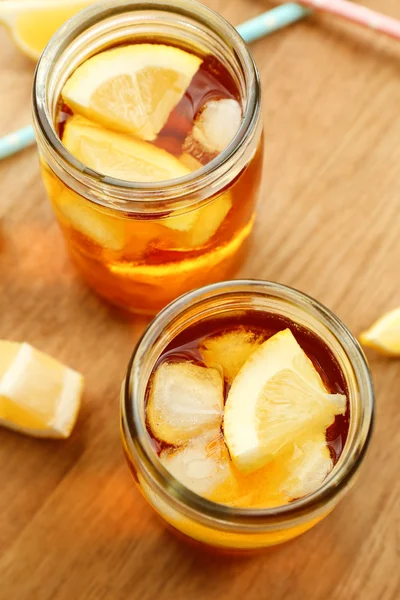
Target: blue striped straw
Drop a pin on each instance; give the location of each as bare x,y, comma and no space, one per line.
252,30
16,141
271,21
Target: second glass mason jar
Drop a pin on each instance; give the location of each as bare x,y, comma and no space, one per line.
139,245
218,524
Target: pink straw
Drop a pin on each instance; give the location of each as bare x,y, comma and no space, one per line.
358,14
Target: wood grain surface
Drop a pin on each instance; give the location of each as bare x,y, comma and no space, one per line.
72,525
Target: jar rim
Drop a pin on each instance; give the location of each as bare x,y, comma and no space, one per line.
124,194
228,517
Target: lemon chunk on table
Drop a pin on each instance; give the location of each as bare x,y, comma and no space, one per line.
384,334
132,88
276,398
33,23
39,396
119,155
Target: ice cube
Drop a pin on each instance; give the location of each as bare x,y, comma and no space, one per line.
202,465
214,128
230,350
186,400
308,466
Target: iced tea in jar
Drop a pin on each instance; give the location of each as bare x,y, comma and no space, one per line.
246,413
147,116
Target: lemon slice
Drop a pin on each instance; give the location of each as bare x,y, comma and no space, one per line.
119,155
277,397
185,401
106,230
132,88
33,23
124,157
384,334
38,395
201,224
230,350
8,351
190,161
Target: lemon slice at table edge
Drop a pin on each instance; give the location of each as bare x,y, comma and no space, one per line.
132,88
39,396
277,397
384,335
32,24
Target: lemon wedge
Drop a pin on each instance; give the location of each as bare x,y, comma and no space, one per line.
190,161
384,334
132,88
201,224
119,155
276,398
185,401
8,351
106,230
38,395
33,23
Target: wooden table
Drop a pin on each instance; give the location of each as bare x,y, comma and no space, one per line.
72,525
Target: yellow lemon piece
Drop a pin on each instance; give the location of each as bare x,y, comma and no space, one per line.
201,224
119,155
131,88
8,351
230,350
38,395
185,401
124,157
276,398
384,334
105,230
33,23
190,161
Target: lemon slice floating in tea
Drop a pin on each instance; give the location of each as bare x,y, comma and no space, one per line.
384,334
39,396
276,398
132,88
124,157
119,155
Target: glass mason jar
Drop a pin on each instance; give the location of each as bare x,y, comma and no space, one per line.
216,524
140,245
